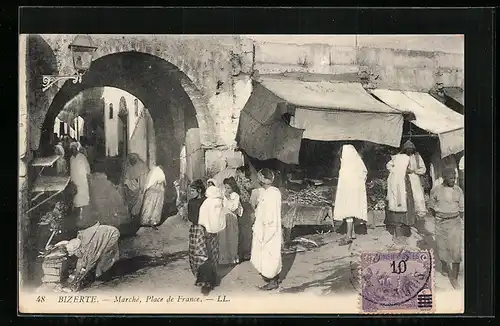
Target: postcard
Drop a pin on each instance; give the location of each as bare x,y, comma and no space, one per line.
175,174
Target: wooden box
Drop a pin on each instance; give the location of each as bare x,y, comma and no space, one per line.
54,269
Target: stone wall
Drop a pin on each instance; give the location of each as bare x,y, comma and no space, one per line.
217,69
391,68
24,157
206,61
143,140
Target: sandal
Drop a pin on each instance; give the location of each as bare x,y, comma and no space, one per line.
270,286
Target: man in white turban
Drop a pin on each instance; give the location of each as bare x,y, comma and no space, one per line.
405,194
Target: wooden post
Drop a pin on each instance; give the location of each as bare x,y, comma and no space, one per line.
146,116
123,115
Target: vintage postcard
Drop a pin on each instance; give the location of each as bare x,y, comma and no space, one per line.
174,174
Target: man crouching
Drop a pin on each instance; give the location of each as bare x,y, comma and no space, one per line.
96,248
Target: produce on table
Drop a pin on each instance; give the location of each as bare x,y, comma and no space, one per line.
55,220
376,193
309,196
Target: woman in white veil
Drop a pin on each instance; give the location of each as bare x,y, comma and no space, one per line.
350,199
210,211
213,221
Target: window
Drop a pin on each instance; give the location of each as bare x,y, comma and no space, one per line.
136,105
110,110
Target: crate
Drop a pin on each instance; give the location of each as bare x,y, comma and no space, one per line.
54,269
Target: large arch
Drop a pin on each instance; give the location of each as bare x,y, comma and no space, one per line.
159,85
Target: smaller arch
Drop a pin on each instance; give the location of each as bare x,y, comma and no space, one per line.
136,107
123,106
111,111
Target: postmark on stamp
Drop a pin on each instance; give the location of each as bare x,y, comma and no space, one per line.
397,282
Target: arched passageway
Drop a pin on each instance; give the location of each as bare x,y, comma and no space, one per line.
93,117
157,84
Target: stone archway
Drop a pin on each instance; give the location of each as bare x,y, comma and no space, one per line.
204,62
160,86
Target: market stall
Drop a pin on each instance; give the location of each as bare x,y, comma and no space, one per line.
283,114
328,111
46,188
49,204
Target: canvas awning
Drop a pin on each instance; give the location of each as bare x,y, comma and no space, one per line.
322,110
66,117
455,93
430,115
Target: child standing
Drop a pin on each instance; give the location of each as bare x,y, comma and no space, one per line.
232,210
446,204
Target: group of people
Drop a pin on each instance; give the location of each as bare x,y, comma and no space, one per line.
98,228
406,201
236,221
95,245
217,237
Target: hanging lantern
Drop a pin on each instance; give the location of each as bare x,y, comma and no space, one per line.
82,50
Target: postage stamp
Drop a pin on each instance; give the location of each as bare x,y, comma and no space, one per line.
397,282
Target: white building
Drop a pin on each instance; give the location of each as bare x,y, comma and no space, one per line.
140,131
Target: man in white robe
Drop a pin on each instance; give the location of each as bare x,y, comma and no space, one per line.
405,194
79,173
266,241
350,198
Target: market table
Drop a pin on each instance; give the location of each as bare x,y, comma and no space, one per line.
52,185
301,214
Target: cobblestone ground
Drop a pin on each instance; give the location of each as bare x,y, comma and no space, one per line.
157,260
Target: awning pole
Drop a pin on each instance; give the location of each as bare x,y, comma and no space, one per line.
419,136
